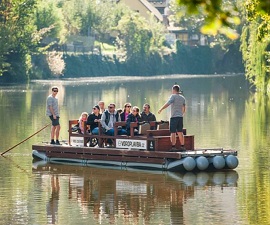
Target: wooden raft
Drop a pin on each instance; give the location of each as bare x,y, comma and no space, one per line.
86,153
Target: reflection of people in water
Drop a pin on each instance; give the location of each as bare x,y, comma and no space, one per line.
52,206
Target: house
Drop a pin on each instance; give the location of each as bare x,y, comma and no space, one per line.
160,10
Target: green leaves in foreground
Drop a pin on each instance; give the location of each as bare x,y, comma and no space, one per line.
220,16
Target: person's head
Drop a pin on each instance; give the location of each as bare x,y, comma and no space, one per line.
119,110
96,109
135,110
176,89
111,107
54,90
101,105
84,116
146,108
127,107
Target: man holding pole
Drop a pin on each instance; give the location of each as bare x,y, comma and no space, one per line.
52,110
178,109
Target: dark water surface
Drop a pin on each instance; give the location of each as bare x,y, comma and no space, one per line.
221,112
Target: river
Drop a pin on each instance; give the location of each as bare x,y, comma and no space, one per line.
222,111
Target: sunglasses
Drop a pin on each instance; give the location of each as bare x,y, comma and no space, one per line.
94,108
128,106
55,90
111,107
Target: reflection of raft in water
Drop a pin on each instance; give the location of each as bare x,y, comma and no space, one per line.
199,178
148,151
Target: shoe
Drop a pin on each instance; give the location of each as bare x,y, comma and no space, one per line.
174,149
57,142
182,149
52,142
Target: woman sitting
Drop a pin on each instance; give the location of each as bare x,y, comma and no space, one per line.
126,112
93,120
82,120
134,116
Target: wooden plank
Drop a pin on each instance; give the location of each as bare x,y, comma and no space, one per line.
189,142
105,151
107,158
153,154
125,159
64,155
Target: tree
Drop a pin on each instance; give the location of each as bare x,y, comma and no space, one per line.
16,28
49,16
255,45
254,37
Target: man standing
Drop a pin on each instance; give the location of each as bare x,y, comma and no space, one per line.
178,109
52,110
146,115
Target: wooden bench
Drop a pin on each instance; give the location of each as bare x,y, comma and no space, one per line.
158,140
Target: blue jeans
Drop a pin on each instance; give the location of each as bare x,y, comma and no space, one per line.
120,132
95,131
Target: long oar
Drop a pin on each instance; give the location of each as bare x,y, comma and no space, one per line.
25,139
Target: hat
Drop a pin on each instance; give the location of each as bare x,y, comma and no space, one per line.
96,106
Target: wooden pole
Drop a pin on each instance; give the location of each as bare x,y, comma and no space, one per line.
25,139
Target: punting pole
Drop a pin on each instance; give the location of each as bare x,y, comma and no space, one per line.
25,139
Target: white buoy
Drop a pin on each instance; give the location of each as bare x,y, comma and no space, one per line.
189,163
202,163
219,162
231,161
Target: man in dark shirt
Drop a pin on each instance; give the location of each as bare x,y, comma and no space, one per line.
146,115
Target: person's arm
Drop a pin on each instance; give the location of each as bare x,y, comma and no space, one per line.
183,109
163,107
128,123
52,112
154,117
102,121
50,103
89,120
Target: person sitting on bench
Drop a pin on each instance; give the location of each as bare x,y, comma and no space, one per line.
147,116
93,120
108,119
133,117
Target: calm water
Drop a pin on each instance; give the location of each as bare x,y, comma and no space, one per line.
222,112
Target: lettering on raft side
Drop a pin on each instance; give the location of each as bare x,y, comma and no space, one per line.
131,144
77,141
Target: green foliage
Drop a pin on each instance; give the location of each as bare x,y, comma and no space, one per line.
255,42
187,60
16,30
220,16
138,38
48,15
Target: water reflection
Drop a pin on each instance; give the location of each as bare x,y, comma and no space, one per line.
221,113
134,197
255,186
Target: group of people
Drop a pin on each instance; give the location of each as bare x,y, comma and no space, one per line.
108,117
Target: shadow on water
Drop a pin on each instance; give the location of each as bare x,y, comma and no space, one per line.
128,195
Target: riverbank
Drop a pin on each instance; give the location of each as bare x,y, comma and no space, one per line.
186,60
